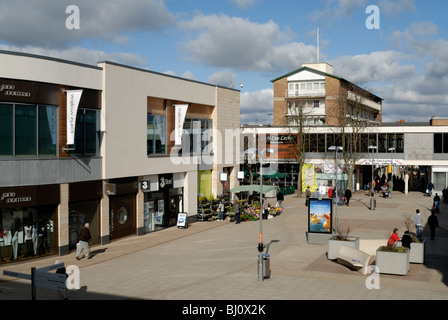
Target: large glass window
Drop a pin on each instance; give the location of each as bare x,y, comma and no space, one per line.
86,133
47,131
438,143
28,130
6,129
156,134
25,130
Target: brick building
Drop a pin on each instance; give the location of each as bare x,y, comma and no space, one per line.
322,97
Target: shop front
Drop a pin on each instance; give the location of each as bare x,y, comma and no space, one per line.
122,208
162,206
28,218
84,207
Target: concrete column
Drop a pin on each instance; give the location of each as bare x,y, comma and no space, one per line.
104,218
191,194
63,234
139,215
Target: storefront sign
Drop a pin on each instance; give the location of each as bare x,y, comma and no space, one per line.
15,197
166,181
9,90
11,197
145,185
73,98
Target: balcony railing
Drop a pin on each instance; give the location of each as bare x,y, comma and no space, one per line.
304,93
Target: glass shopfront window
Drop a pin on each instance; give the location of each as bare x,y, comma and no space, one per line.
27,232
28,130
86,133
156,134
80,213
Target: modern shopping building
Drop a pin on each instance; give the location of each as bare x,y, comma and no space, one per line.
420,154
121,148
327,112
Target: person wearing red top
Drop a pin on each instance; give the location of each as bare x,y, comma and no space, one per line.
393,238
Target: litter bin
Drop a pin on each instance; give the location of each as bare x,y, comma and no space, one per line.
266,266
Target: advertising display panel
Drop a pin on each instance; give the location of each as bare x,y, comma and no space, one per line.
320,215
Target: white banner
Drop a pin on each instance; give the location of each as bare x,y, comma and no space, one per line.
180,112
73,98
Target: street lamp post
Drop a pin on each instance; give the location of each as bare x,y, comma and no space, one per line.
260,243
373,148
392,150
336,149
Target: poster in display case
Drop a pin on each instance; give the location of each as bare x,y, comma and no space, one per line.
320,215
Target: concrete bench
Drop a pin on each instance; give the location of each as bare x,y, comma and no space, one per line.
369,246
353,258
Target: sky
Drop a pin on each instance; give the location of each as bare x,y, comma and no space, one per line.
399,51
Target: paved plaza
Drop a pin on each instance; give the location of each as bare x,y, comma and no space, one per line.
218,260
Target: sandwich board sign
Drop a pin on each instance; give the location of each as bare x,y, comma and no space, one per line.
182,220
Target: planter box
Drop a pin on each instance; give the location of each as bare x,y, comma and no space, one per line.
333,246
392,262
417,252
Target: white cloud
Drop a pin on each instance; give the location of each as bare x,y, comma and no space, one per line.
223,78
244,4
381,66
396,6
81,55
256,106
237,43
42,22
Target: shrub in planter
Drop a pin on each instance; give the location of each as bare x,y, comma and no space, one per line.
342,238
392,260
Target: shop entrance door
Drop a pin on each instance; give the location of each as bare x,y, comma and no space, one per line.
122,215
175,207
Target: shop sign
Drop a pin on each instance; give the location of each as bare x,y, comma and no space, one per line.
145,185
166,181
9,90
11,197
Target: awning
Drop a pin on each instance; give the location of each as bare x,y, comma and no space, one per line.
253,187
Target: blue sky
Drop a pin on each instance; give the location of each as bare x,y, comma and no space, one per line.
228,42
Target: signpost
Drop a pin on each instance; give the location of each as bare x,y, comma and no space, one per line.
42,278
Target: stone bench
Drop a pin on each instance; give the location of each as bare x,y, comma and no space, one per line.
353,258
370,246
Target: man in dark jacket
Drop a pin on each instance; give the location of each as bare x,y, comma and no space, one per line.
433,223
348,195
84,237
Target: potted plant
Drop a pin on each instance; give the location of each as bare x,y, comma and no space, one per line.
341,238
392,260
417,252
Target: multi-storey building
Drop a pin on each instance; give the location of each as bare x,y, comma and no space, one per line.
122,148
322,97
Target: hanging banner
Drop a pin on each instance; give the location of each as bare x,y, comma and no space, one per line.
180,112
73,98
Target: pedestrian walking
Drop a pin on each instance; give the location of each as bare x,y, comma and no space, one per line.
307,195
236,209
429,188
418,220
221,209
437,203
348,195
433,223
84,238
280,199
265,208
341,197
